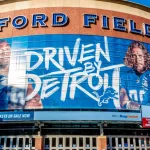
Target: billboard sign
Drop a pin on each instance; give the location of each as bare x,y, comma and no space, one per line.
67,71
86,115
69,115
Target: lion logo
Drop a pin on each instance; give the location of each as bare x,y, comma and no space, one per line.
108,94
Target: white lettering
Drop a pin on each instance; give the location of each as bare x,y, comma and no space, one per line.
37,64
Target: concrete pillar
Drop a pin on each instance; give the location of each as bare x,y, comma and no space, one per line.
101,143
39,143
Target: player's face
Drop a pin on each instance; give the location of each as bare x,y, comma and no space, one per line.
4,54
138,59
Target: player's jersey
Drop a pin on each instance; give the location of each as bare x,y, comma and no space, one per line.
10,95
3,92
137,86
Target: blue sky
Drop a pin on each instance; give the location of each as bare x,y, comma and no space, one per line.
143,2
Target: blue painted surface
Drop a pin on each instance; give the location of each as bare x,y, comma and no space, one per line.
145,111
86,115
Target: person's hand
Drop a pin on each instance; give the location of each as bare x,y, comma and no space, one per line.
133,105
35,102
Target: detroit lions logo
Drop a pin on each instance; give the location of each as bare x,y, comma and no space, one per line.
108,94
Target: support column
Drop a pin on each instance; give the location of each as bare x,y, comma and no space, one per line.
101,143
39,142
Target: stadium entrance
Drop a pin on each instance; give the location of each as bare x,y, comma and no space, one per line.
73,136
74,142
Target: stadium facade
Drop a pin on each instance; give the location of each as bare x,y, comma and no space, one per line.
74,75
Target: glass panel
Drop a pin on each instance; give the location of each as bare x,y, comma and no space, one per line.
60,142
147,142
2,143
80,142
8,142
119,142
46,142
94,142
142,142
87,141
14,142
108,142
67,143
125,142
136,141
131,142
26,142
73,142
53,142
113,142
33,142
21,142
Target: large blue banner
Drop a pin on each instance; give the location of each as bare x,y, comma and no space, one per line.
74,72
